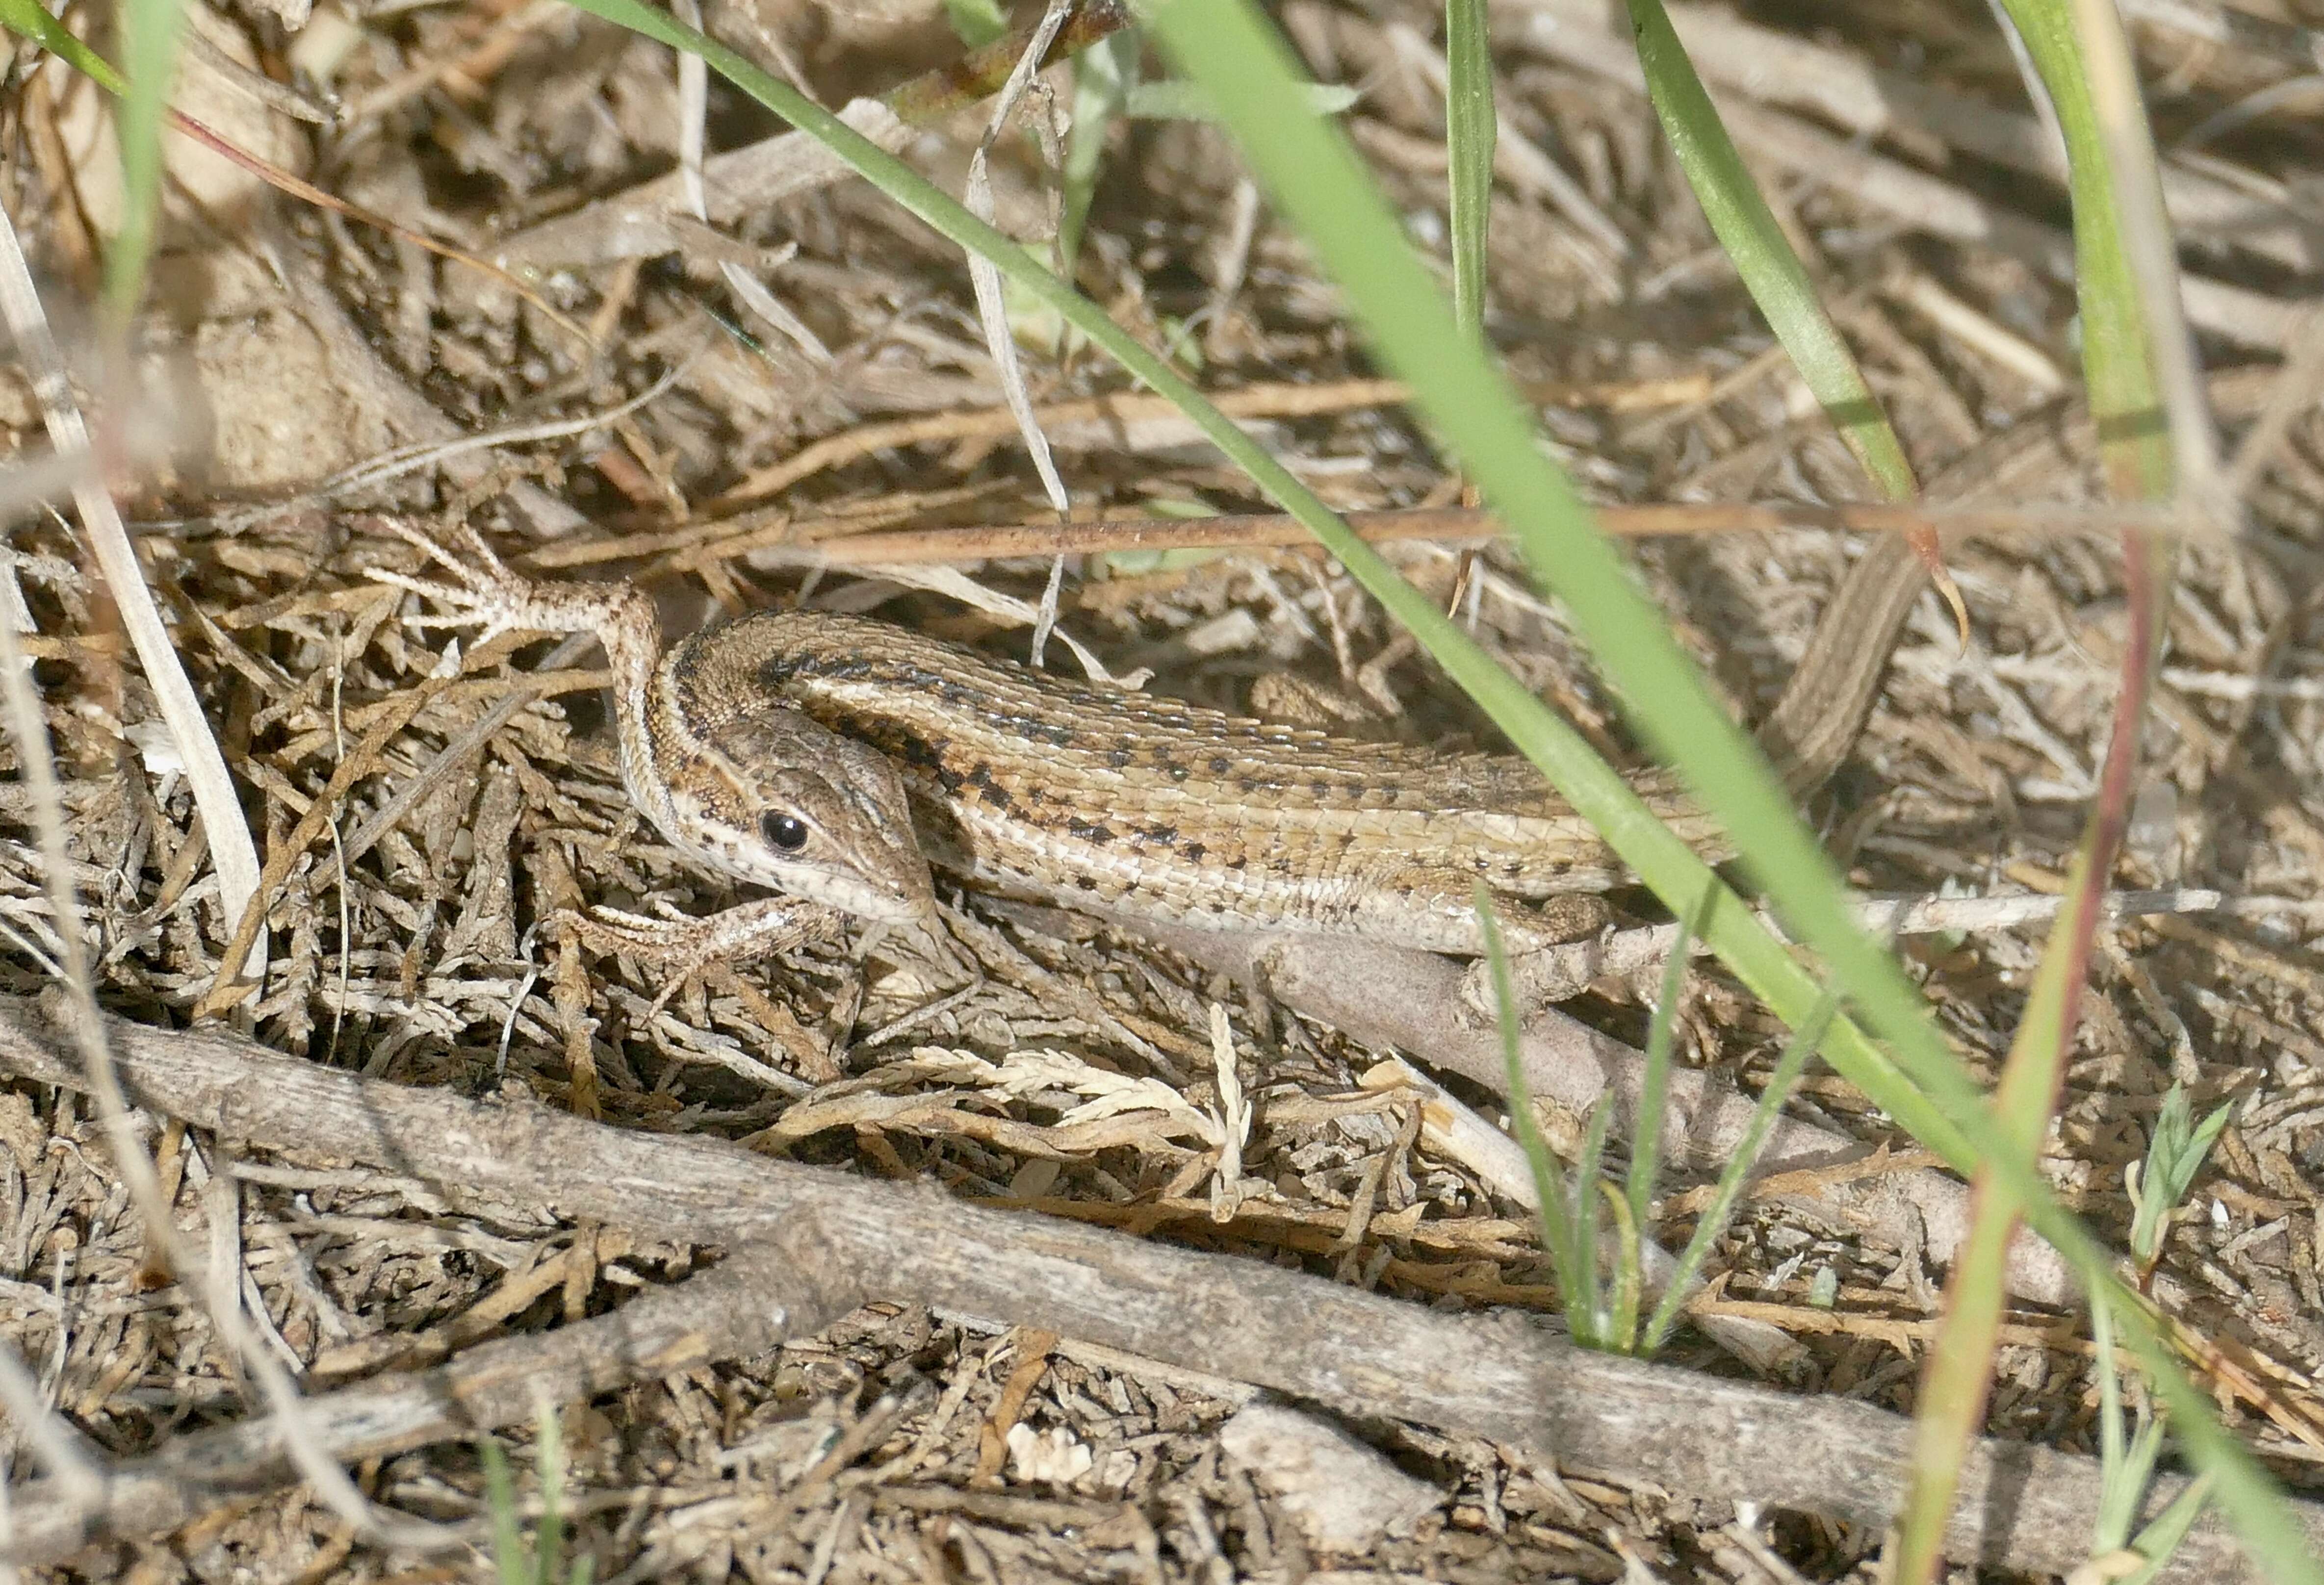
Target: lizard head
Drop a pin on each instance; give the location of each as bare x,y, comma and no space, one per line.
780,800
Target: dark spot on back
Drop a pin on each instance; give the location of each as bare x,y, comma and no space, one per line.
994,795
913,749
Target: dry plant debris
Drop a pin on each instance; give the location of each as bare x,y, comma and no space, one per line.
1027,1060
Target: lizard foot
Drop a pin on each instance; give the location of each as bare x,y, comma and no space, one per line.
483,592
1555,954
685,946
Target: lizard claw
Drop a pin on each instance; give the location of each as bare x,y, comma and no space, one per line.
480,575
482,567
481,592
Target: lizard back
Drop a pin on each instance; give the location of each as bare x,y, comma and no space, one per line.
1100,796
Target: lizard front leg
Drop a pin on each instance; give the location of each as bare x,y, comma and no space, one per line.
763,793
683,947
480,591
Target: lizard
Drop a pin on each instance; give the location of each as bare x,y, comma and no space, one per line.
833,757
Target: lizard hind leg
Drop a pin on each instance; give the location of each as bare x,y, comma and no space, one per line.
1553,945
1435,910
481,591
1556,952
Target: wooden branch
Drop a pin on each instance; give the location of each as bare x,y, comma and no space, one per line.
1361,1354
748,1305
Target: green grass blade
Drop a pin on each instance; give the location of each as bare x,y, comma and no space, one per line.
1558,1226
976,22
1716,1215
2117,1500
1591,1324
2128,1464
2173,1156
1958,1379
2159,1540
1104,75
1763,256
149,60
32,20
1654,1086
1621,1333
1468,134
512,1557
2109,75
2116,358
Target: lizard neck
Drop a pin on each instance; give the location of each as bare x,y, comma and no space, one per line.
652,735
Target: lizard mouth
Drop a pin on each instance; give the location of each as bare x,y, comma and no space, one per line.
897,889
908,899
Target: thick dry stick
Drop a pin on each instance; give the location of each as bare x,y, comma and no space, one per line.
751,1303
2022,1508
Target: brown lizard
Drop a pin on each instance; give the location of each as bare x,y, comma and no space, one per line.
833,757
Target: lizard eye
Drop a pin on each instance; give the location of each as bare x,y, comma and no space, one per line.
786,832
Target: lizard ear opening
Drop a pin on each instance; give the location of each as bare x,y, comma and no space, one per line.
784,832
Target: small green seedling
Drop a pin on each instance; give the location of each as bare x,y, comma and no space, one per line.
2126,1459
1569,1213
2173,1156
539,1562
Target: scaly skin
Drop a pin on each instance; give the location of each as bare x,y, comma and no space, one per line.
882,751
